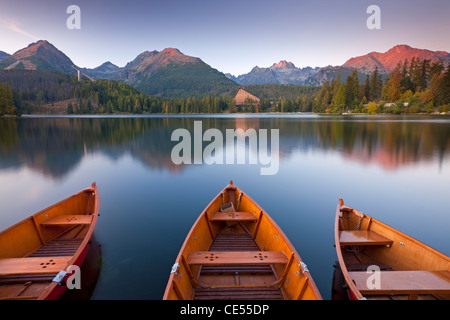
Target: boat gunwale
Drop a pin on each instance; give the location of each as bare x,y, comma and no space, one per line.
297,257
73,260
351,285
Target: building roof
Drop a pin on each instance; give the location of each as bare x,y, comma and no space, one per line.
242,97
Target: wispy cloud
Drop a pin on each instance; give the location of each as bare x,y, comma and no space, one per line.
10,25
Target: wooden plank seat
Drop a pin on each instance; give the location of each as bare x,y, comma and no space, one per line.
14,266
71,219
404,282
236,257
232,216
363,237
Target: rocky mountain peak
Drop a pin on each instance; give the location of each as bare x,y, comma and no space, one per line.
283,64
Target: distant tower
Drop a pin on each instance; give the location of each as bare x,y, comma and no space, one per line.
78,73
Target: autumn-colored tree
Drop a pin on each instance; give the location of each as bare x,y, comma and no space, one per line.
393,87
372,108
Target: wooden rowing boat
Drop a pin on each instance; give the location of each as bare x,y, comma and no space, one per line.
36,253
236,251
380,262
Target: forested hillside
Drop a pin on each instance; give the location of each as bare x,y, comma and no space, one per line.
416,86
31,90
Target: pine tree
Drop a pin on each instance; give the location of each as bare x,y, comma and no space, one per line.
322,100
412,73
352,89
339,99
2,99
137,107
232,106
405,81
421,75
110,107
436,68
366,88
376,85
443,88
70,108
6,99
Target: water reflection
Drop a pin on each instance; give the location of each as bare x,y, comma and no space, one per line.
55,146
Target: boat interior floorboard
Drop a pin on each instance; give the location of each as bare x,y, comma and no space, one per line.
359,261
29,286
58,247
236,280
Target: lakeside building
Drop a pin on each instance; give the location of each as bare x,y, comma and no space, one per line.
245,99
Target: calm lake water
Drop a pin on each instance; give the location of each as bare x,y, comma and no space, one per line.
396,169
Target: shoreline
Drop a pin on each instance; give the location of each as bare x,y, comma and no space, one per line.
224,115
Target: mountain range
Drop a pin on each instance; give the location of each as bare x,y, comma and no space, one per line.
170,73
286,73
282,72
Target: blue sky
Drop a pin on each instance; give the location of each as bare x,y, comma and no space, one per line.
231,36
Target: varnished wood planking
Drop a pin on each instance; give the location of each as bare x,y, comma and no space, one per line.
233,216
65,220
404,282
362,237
38,265
236,257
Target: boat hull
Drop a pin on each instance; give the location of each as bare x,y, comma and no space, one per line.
236,251
380,262
58,290
49,241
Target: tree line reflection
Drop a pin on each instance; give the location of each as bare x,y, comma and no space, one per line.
54,146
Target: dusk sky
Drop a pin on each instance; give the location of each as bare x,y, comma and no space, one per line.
231,36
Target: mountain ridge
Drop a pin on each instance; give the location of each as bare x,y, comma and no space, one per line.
388,61
40,55
161,73
171,73
285,72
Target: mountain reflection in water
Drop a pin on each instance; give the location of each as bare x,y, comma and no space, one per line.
54,146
